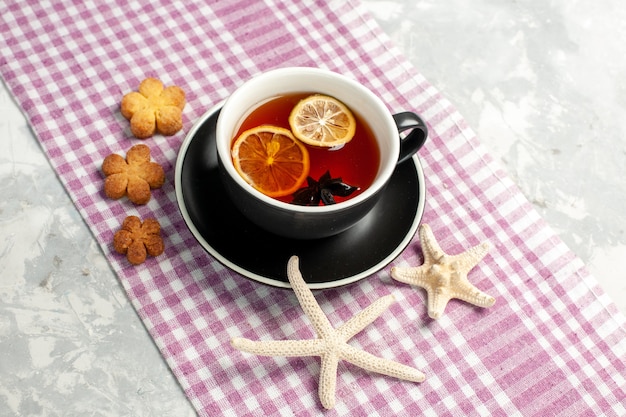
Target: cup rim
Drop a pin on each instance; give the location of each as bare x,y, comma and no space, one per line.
385,170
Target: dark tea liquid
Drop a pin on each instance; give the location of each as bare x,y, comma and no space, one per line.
356,162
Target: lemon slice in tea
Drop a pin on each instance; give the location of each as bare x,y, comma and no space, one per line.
271,159
324,121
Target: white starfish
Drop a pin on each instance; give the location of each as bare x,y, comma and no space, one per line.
444,276
330,344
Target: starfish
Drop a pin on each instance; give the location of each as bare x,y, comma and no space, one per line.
444,276
331,344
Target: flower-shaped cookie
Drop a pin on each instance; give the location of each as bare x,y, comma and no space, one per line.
136,240
133,176
154,108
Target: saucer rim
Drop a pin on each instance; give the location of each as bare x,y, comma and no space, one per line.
182,153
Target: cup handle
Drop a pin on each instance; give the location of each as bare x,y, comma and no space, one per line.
412,142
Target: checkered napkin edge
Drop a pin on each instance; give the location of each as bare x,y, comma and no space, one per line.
553,336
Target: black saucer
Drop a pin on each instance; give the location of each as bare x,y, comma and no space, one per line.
228,236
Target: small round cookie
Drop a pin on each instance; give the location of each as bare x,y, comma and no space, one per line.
134,176
137,239
154,108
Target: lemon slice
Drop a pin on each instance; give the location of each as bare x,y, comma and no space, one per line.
271,159
324,121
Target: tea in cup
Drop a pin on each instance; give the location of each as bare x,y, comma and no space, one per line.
305,153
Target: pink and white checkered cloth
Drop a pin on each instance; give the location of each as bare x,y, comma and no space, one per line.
552,345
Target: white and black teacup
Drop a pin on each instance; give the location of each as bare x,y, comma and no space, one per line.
306,222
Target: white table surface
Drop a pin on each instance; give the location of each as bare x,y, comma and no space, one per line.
543,84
